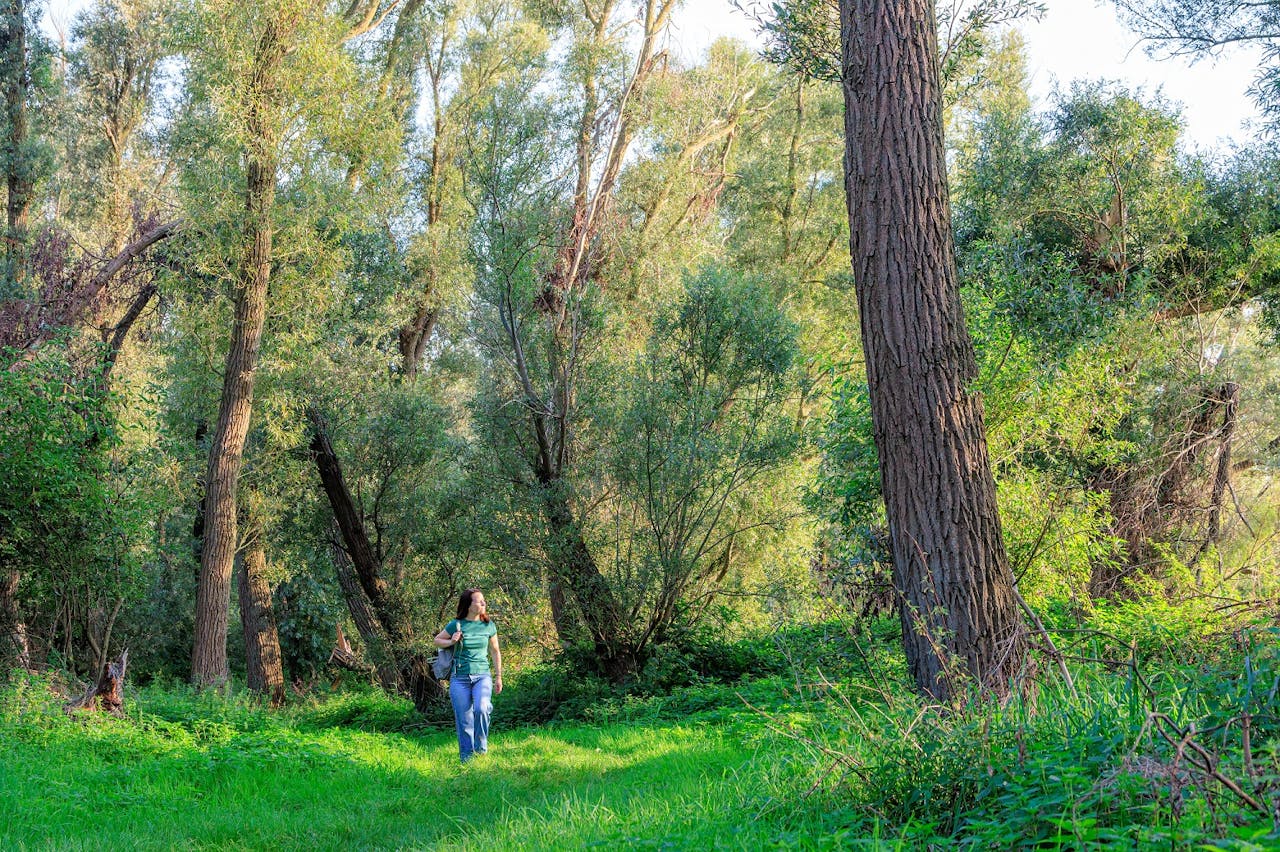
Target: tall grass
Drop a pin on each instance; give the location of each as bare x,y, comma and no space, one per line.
793,761
1148,754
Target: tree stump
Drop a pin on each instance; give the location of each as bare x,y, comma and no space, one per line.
107,694
344,656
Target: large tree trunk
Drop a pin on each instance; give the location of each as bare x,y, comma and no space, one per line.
209,656
960,617
568,625
263,669
347,516
573,567
384,615
19,168
115,339
14,648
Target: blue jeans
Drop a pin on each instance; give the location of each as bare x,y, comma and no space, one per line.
472,698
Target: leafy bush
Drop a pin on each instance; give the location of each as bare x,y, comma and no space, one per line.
1157,629
71,523
697,672
1130,757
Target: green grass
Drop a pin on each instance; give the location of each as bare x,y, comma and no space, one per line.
184,772
831,765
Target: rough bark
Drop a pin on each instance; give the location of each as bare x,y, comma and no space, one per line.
959,613
568,625
377,650
415,334
19,168
263,668
381,619
574,568
209,655
15,650
107,694
346,515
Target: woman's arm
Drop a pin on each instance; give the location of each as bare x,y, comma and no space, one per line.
495,653
445,639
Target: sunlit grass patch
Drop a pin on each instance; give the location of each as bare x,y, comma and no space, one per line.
250,779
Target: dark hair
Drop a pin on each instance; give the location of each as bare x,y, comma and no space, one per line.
464,606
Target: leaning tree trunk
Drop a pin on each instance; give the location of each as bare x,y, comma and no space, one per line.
209,655
385,615
959,613
263,669
377,650
573,567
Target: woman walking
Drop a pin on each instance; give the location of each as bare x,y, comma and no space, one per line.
472,683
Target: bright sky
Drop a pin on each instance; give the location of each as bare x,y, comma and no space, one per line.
1076,39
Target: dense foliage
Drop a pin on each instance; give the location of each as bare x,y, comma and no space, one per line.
551,312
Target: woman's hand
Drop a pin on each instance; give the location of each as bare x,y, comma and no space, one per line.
447,640
495,653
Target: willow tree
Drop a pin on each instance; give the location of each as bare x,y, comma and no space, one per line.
546,337
274,79
1207,28
959,611
113,72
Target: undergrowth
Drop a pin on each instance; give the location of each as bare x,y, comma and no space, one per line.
1172,754
807,739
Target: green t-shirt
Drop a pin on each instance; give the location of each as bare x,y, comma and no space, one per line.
471,655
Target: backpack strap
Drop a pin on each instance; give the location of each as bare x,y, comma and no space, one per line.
457,623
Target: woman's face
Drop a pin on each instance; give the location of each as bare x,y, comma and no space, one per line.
477,605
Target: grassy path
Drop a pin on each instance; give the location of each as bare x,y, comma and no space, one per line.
356,771
261,782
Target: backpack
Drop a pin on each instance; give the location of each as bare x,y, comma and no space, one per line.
442,665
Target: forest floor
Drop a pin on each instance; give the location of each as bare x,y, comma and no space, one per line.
785,762
167,778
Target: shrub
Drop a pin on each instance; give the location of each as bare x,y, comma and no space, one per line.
1131,757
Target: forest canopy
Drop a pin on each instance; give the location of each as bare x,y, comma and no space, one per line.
314,314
